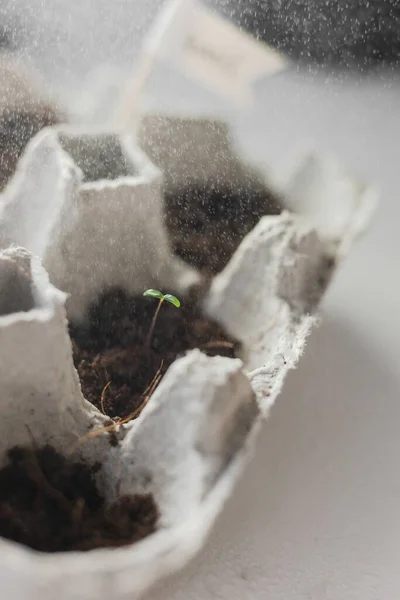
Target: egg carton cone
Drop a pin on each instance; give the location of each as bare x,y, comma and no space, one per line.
90,205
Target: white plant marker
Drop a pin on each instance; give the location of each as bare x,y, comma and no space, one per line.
205,47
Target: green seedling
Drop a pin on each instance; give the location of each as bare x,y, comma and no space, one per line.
161,298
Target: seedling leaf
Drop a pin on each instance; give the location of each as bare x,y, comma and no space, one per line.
154,294
172,300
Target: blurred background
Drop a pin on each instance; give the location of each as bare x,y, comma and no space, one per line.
316,515
352,34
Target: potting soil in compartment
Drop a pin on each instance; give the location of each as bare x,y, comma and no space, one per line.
52,504
206,224
117,370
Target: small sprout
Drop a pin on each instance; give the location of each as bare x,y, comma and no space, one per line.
172,300
162,298
153,294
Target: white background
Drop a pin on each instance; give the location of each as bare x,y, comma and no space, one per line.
317,514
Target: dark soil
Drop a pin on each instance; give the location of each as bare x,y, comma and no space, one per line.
99,157
53,505
16,292
206,225
111,349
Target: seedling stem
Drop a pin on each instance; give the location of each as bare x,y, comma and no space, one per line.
161,298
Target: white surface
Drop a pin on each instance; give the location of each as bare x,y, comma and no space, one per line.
316,515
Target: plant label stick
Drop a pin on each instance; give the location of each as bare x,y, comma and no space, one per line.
206,48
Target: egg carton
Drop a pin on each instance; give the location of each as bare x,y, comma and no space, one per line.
83,213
